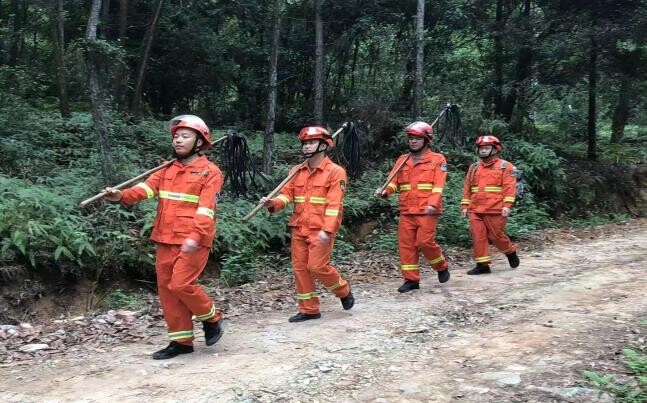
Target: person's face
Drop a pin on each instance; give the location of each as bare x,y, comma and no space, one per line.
183,141
486,151
311,146
416,143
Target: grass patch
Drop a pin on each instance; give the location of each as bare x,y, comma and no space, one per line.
632,391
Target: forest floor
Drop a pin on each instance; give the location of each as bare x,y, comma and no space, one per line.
516,335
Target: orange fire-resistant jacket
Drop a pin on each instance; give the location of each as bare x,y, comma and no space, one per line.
489,187
317,196
420,185
187,201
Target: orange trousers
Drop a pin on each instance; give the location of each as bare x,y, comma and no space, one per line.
486,228
180,296
417,232
310,261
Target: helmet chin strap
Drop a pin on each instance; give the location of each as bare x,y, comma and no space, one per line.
492,153
317,151
194,150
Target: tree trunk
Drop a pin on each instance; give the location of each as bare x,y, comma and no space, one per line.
58,31
420,60
96,97
319,56
123,21
268,141
520,95
105,18
351,91
621,111
592,118
341,61
17,36
143,61
121,73
498,60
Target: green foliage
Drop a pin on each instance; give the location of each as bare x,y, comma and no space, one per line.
636,363
542,168
260,233
343,250
384,239
528,216
50,163
32,226
453,229
121,299
625,153
360,204
246,264
593,220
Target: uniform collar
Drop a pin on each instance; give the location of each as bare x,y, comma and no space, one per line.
423,158
197,162
322,166
491,162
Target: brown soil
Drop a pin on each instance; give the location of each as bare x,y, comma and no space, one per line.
521,335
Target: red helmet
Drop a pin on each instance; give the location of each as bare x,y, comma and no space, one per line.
314,133
421,129
489,141
192,122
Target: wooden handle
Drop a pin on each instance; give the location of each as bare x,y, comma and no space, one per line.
277,189
135,179
126,183
274,192
441,114
393,174
338,131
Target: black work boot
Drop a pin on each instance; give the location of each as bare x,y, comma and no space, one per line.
480,269
443,276
302,317
348,301
513,259
173,349
409,286
212,332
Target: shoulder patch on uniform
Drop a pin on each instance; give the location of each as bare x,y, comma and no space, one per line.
342,185
443,167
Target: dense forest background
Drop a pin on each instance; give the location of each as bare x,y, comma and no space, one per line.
87,86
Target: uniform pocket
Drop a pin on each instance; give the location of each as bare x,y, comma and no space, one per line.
405,174
317,199
299,192
194,184
315,221
184,220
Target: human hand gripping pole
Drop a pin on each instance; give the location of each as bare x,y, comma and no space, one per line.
276,190
382,188
129,182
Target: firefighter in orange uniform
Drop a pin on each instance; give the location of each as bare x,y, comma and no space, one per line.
420,183
317,192
488,196
183,230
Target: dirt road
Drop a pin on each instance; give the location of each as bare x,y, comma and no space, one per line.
514,335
